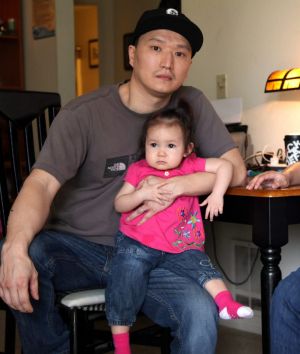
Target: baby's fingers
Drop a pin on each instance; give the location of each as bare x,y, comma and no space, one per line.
212,214
205,202
207,212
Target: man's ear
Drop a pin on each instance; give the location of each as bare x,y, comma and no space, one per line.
131,54
189,149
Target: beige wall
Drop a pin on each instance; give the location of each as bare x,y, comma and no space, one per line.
106,32
65,49
126,15
86,29
38,55
247,41
49,62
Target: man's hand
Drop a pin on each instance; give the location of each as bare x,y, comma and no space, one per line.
165,188
269,179
149,208
18,280
155,192
170,188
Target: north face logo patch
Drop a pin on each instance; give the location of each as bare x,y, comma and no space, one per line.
116,166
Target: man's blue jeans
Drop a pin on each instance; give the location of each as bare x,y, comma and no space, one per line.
130,270
66,263
285,316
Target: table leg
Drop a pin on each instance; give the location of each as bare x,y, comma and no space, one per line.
270,277
270,233
269,218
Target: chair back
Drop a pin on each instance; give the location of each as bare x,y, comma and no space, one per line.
25,117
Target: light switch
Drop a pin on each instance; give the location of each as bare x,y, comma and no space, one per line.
222,86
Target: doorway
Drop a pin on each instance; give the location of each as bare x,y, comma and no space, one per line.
86,48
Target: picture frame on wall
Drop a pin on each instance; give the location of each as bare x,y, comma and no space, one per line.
43,18
93,48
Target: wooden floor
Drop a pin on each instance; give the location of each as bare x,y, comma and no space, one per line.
230,341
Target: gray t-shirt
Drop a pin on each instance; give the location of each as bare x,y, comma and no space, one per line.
91,143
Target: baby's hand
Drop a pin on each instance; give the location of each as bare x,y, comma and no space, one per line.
214,206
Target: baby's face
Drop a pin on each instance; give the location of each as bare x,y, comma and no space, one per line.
164,148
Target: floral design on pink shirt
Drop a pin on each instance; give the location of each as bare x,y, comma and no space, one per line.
188,226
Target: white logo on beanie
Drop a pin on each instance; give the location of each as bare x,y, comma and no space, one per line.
172,12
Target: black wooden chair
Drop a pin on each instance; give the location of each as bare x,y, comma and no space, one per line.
25,117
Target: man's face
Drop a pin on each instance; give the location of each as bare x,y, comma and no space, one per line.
160,60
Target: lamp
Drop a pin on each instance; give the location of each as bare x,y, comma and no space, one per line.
282,80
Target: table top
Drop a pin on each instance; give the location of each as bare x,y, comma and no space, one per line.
265,193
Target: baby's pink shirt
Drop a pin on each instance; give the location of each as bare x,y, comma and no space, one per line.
175,229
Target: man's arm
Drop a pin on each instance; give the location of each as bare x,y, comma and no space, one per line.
292,173
200,183
239,168
18,277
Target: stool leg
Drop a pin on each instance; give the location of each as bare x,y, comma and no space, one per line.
73,332
165,341
10,332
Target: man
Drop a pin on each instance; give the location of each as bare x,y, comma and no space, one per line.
285,309
77,175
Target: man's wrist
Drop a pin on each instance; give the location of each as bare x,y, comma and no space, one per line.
288,177
18,244
180,182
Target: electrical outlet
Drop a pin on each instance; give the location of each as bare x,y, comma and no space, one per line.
222,86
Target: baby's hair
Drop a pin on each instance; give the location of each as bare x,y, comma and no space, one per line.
181,115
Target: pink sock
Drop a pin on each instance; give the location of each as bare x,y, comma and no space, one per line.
121,343
225,300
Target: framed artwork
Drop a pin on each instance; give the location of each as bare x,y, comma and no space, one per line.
43,18
93,53
126,42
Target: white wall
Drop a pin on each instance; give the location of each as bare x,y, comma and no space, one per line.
248,40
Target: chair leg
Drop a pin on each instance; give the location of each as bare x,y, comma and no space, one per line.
10,333
165,341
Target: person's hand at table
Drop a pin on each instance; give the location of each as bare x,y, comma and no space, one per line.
269,179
